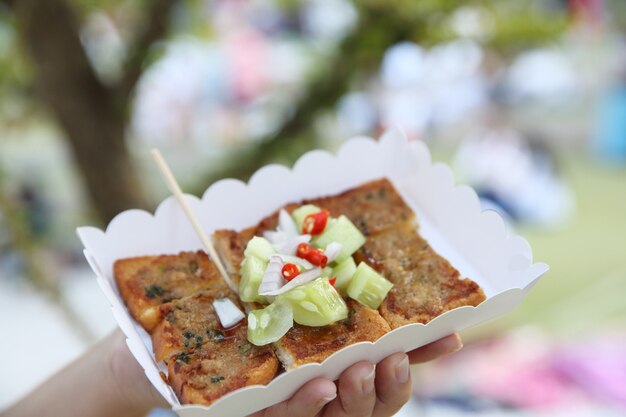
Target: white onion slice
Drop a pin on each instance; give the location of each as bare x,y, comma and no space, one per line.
287,224
291,246
275,237
228,313
296,260
273,278
332,251
303,278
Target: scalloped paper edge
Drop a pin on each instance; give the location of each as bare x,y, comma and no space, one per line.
477,243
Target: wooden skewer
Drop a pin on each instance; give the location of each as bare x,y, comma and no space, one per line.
173,186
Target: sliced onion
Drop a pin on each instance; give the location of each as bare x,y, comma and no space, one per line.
287,224
296,260
273,278
332,251
275,237
291,246
228,313
303,278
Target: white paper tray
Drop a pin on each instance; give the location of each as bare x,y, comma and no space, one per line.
476,243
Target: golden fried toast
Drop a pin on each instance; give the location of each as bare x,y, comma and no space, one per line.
218,367
172,296
188,323
425,284
372,207
147,282
302,344
230,245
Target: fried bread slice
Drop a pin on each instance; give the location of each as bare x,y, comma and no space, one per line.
372,207
146,282
189,323
425,284
172,296
217,367
230,246
303,344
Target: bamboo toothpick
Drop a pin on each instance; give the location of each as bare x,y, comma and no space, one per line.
174,188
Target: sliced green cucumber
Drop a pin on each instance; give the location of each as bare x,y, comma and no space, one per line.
301,212
269,324
259,247
344,272
368,287
342,231
252,271
316,303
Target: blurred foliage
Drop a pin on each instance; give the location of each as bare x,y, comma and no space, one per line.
506,27
16,75
617,10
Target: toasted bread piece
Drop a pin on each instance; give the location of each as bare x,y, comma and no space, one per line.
230,245
216,368
188,323
147,282
425,284
302,344
372,207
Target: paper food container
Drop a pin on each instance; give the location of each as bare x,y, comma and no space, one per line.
476,242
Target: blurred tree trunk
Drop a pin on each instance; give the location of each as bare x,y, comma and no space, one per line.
92,115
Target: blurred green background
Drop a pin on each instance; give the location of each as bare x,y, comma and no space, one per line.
525,100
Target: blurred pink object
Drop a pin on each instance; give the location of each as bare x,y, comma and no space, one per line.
247,54
528,369
598,367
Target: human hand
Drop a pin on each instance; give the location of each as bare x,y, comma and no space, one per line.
362,390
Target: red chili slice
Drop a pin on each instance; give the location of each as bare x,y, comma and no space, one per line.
317,257
315,223
303,250
290,271
332,281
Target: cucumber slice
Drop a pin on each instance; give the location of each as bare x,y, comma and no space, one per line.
316,303
344,272
259,247
342,231
252,271
301,212
368,287
269,324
